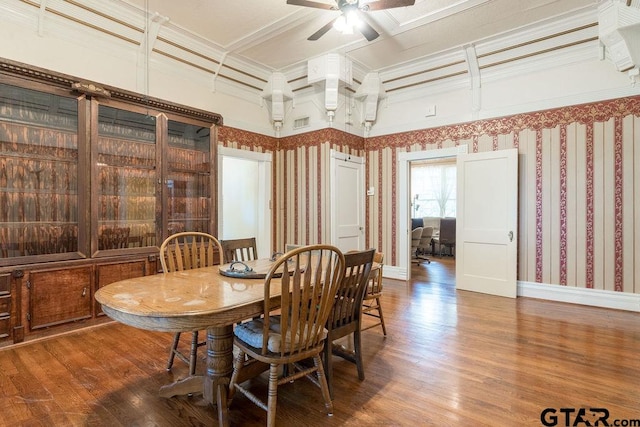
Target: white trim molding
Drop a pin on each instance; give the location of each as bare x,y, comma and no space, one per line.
582,296
393,272
592,297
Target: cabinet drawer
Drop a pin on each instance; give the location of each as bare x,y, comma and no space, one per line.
59,296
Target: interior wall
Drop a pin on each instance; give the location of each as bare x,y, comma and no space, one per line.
578,186
300,184
303,180
549,83
578,190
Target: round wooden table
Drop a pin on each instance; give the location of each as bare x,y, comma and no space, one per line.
192,300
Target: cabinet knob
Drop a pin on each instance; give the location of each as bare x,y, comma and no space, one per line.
84,291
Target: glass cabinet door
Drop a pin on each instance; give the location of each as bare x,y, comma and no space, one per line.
38,170
188,178
126,174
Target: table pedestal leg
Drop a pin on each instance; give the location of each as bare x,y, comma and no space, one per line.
219,369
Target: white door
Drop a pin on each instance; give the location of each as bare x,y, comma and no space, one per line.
486,224
347,201
245,195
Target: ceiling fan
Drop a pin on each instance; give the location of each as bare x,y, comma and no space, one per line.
348,10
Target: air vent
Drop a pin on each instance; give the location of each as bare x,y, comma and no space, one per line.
302,122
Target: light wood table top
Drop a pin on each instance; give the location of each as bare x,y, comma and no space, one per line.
184,301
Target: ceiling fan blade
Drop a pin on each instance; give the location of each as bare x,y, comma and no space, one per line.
322,31
368,32
313,4
387,4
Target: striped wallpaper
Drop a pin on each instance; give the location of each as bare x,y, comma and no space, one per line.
579,189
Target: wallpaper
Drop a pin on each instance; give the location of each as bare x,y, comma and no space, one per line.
578,186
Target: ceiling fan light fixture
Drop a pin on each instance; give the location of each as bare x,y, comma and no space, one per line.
346,22
353,20
349,19
340,23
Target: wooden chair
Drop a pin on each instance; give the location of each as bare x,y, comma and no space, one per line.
292,327
346,314
371,304
186,251
239,249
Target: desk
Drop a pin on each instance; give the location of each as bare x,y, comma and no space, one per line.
191,300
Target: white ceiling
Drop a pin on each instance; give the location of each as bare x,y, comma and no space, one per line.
273,35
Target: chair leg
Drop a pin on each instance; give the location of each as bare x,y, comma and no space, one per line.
273,395
193,355
384,328
172,352
357,348
322,379
237,367
328,365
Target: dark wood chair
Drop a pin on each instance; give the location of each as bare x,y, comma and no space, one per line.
239,249
186,251
292,327
346,314
371,305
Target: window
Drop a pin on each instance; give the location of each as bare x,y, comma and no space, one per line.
433,189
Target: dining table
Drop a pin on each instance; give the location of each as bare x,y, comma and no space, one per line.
212,298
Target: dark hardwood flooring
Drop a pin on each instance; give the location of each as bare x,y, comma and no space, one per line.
451,358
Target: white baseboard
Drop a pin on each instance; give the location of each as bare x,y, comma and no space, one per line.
593,297
393,272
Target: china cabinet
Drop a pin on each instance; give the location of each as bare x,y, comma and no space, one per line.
92,179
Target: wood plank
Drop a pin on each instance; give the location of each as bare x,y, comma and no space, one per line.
450,358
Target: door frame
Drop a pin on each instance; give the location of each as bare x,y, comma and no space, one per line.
263,238
403,229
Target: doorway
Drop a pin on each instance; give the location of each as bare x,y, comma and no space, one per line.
404,213
433,195
244,188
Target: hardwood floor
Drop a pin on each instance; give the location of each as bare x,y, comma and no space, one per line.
451,358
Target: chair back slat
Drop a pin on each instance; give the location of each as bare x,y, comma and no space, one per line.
309,281
189,250
239,249
348,300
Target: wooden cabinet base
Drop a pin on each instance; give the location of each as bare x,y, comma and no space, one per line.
46,299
